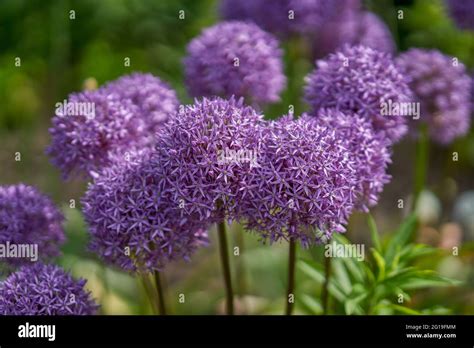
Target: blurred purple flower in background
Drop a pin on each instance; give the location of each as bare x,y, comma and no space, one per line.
312,16
204,152
131,222
235,58
364,28
440,83
358,79
155,99
269,15
284,17
44,290
306,185
29,217
369,150
462,11
122,116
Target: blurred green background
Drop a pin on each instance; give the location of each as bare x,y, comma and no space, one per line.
58,53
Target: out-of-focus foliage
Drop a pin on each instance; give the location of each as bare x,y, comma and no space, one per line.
381,283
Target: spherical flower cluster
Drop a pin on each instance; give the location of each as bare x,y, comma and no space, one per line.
359,79
443,88
305,186
119,117
82,143
132,223
364,28
29,217
44,290
462,12
205,151
310,16
154,98
270,15
235,58
370,152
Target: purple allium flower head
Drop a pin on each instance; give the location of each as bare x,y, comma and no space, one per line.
310,16
305,186
270,15
462,12
131,222
443,88
44,290
205,151
235,58
364,28
119,117
82,144
358,79
155,99
370,152
29,217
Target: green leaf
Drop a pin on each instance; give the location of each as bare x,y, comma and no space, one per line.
430,282
311,304
311,270
354,267
401,237
374,232
402,292
368,272
411,252
341,275
395,262
351,305
403,309
380,264
340,239
411,278
437,310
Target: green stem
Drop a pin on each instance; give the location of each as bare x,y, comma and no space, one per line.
105,292
325,290
160,294
291,277
149,292
224,254
421,164
241,281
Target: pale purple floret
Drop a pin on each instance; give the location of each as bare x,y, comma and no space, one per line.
44,290
306,185
29,217
362,28
126,114
358,79
204,153
462,11
133,224
370,152
443,88
235,58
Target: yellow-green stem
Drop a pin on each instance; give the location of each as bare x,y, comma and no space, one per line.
224,254
290,296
